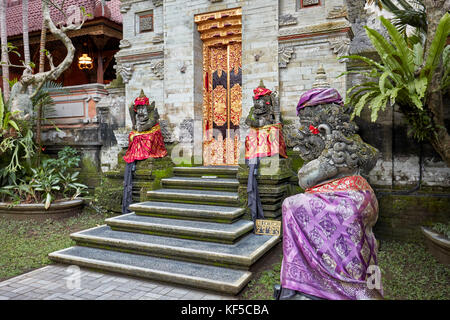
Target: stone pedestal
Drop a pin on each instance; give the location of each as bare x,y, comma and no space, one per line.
147,177
274,184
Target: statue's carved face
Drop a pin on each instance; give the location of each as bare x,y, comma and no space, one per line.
262,106
310,143
327,140
141,114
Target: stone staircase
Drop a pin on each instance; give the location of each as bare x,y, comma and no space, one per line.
190,232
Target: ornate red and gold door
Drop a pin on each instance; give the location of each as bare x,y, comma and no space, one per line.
222,92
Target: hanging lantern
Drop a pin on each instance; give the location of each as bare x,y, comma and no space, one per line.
85,62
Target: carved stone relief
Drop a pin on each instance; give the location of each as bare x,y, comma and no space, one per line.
125,70
284,56
287,20
124,43
158,69
340,47
187,131
157,3
337,12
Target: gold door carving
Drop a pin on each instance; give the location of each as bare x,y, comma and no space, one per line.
222,92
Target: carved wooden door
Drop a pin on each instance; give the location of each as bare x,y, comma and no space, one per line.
222,92
222,110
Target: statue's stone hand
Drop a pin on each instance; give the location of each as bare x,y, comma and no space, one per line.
315,172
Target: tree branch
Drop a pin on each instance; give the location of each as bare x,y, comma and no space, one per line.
59,33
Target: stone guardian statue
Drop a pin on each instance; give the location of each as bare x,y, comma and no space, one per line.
328,244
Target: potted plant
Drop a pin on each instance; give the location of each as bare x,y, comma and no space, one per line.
437,239
51,188
31,185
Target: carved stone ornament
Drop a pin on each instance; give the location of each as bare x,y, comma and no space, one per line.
284,56
337,12
125,7
158,38
187,131
124,43
340,47
125,70
157,3
165,131
287,20
158,69
307,3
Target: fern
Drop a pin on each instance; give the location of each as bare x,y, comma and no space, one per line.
395,77
437,46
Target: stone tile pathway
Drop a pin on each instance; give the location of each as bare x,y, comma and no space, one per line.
63,282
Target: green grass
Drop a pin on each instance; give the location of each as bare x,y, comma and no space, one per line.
409,272
25,244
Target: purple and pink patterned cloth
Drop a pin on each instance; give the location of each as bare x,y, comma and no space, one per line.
318,96
328,243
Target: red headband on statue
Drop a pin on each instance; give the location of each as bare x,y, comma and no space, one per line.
259,92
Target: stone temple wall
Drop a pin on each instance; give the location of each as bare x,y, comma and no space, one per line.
283,44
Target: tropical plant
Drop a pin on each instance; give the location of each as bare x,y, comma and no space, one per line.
43,105
46,181
407,13
406,76
53,179
16,143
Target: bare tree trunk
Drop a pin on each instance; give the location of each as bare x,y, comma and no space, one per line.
26,42
41,69
42,47
4,45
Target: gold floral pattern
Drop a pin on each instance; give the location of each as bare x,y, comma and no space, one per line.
222,100
219,106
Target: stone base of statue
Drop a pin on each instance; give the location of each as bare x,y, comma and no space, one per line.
274,183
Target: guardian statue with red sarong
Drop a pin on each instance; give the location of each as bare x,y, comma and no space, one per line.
146,140
265,139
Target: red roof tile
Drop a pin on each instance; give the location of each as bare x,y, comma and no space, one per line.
14,13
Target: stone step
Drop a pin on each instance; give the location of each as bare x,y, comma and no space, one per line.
196,230
211,197
204,183
202,276
242,254
219,171
188,211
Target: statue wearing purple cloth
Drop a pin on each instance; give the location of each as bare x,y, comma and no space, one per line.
328,244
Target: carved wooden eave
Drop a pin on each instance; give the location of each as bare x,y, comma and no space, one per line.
220,27
96,27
